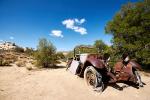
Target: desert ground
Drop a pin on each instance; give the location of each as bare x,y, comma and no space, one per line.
18,83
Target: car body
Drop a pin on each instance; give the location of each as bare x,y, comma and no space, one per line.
93,67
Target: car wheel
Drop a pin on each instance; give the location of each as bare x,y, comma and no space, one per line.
138,78
68,64
93,79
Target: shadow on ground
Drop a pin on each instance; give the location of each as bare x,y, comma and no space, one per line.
57,67
125,85
7,66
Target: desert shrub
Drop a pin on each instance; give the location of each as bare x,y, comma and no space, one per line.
33,62
6,58
70,54
20,63
1,62
29,51
45,54
19,49
11,57
60,55
5,62
29,67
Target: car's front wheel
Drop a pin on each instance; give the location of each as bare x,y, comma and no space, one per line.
93,79
138,78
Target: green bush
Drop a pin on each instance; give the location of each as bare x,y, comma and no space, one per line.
60,55
29,51
130,30
45,54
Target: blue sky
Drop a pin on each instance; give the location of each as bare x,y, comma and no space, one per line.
66,23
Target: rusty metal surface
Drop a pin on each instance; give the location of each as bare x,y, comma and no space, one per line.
135,65
125,72
95,61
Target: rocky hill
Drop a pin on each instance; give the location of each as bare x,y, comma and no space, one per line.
7,46
11,53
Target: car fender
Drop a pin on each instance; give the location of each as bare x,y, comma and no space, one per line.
135,65
97,63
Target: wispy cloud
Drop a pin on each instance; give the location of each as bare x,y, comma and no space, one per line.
11,38
74,24
81,21
56,33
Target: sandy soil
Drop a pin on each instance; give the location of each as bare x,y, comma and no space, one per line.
17,83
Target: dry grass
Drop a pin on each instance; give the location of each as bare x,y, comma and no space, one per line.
146,73
56,84
7,57
5,63
21,63
29,67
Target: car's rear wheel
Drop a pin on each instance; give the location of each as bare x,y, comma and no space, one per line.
69,64
93,79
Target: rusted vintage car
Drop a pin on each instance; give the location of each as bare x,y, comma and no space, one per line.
94,69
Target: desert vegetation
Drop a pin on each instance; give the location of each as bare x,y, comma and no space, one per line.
129,28
44,57
45,54
7,57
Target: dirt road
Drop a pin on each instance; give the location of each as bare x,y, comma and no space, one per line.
17,83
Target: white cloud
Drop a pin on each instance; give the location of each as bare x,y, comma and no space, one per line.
11,38
69,23
81,30
56,33
81,21
73,24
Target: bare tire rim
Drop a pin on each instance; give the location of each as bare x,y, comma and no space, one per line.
91,79
138,77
